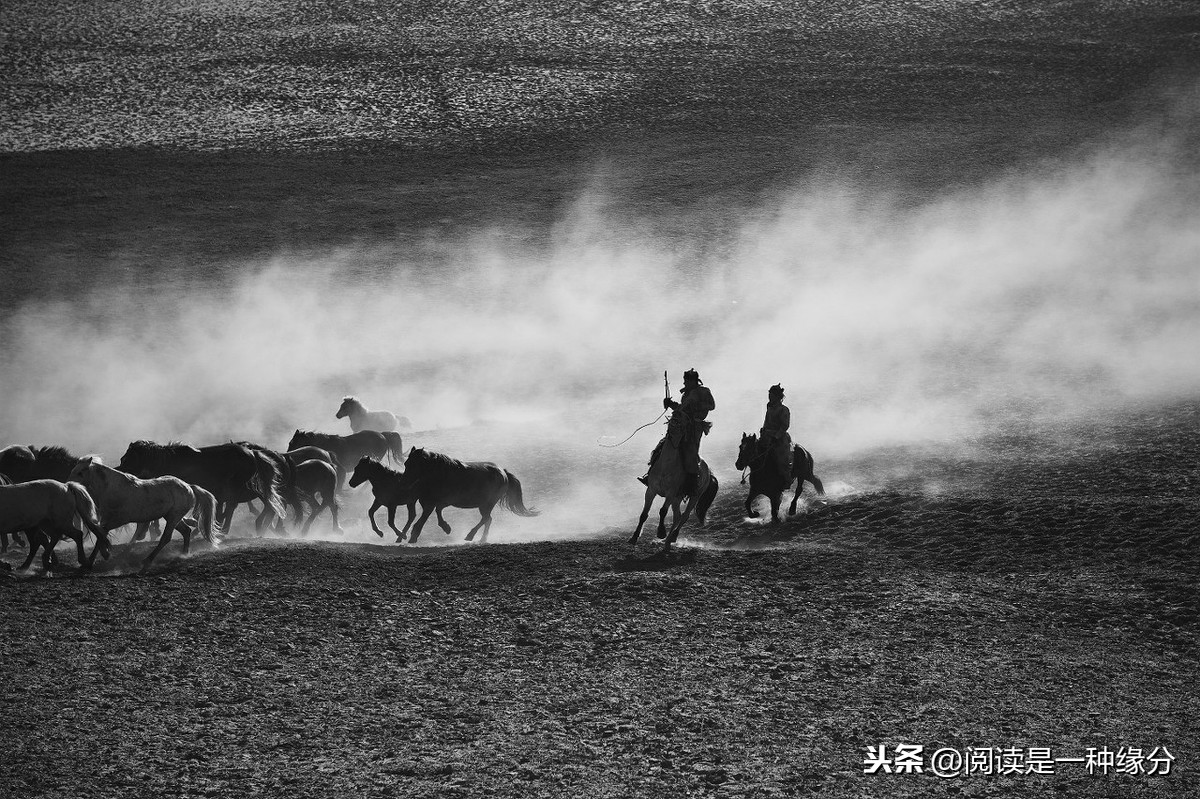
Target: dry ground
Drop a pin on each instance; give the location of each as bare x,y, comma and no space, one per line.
1041,600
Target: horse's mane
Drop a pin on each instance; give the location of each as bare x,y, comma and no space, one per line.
384,467
154,448
52,453
315,436
439,460
355,400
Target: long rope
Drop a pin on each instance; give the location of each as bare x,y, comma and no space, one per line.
634,433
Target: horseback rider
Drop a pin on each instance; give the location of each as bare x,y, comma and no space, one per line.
774,434
686,426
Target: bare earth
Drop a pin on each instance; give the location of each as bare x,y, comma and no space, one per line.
1044,601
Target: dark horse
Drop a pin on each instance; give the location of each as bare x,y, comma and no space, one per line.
231,472
352,448
25,463
285,467
443,482
767,479
391,489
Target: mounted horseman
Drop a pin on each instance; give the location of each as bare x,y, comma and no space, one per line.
686,426
774,433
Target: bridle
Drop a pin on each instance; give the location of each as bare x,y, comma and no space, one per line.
760,456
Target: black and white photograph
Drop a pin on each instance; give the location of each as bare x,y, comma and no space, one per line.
644,398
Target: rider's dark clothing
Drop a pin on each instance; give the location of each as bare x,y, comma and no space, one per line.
774,434
686,426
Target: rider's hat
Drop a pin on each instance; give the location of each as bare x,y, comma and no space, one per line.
693,374
776,389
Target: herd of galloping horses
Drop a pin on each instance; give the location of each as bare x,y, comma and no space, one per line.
48,495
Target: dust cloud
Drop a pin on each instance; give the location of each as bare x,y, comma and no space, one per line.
1070,288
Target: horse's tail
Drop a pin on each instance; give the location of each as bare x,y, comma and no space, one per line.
512,496
395,447
339,471
205,511
85,509
706,497
267,484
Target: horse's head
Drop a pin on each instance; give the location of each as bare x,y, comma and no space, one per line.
137,458
363,471
90,471
298,440
348,406
417,458
746,450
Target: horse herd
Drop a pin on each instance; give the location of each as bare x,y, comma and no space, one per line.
47,494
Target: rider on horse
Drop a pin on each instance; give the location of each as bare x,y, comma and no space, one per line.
686,426
774,433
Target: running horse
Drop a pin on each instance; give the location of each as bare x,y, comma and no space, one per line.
352,448
768,480
442,482
122,499
230,472
666,479
46,511
391,489
23,463
363,418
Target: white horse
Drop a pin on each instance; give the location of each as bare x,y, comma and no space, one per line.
666,480
46,510
362,418
123,499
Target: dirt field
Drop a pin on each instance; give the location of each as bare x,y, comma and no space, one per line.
1043,600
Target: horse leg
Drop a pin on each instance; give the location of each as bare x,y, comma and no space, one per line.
85,564
412,512
96,549
676,523
162,542
263,519
371,515
184,530
645,512
775,500
392,523
796,496
416,531
485,521
442,522
750,512
311,517
36,538
227,510
662,518
333,509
